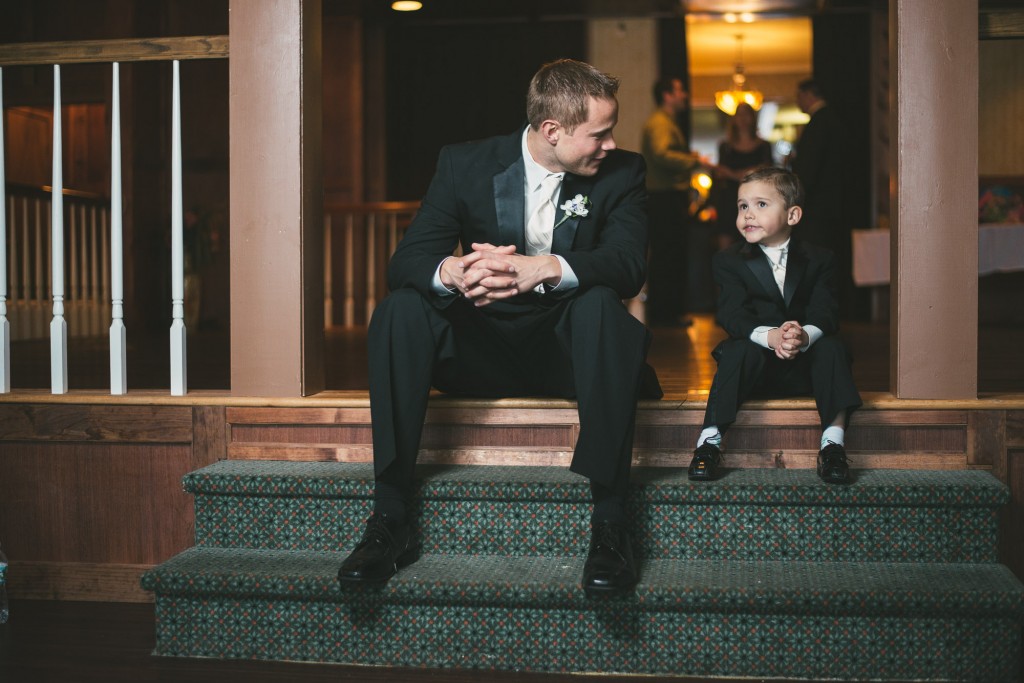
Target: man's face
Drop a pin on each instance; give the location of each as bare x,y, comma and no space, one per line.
581,151
762,214
677,98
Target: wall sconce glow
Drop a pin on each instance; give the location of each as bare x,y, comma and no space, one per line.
406,5
747,18
730,18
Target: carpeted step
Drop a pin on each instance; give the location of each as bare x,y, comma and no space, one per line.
885,515
777,619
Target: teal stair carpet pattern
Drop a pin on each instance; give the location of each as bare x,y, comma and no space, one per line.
763,573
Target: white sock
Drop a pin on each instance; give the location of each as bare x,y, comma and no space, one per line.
710,435
834,434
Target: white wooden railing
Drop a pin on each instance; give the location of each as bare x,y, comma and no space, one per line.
23,309
29,266
80,296
363,237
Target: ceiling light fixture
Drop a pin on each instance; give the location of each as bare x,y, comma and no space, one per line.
406,5
728,100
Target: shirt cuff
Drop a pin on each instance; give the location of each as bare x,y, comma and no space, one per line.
569,279
438,286
813,334
760,335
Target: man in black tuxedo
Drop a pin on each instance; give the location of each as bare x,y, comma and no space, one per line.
820,160
532,307
778,304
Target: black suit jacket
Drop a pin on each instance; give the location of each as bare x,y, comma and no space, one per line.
749,298
477,195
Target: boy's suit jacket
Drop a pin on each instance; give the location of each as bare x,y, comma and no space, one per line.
478,195
749,297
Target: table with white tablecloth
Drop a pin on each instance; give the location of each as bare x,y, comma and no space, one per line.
1000,250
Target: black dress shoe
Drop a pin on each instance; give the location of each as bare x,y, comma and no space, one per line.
386,545
832,465
609,568
705,462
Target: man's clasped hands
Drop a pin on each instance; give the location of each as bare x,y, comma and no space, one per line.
489,273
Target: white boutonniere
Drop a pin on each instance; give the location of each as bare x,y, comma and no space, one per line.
574,208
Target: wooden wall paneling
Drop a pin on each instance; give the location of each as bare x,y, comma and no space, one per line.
99,503
79,581
277,415
1015,428
108,423
210,435
986,442
91,494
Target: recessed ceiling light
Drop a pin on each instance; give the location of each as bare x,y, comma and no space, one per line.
406,5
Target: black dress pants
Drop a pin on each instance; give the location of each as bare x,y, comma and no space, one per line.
746,369
587,347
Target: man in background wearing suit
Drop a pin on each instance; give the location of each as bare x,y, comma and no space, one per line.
820,161
532,307
669,166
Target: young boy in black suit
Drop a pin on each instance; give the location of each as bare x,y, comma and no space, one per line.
777,300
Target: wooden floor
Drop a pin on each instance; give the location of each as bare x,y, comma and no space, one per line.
682,358
87,642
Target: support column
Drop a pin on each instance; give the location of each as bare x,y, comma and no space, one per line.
934,185
277,336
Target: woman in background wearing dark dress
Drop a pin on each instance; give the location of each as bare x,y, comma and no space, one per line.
741,152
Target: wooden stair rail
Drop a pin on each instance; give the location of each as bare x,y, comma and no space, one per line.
103,51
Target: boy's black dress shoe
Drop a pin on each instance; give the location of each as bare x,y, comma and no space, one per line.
609,568
832,464
705,462
385,546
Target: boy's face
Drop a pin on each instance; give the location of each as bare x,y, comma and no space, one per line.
763,217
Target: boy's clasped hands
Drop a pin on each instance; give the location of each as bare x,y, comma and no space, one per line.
787,340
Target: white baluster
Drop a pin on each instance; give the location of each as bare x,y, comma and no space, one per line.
24,330
350,295
5,326
94,269
104,291
178,370
118,333
73,304
12,252
39,299
58,326
328,275
14,299
371,265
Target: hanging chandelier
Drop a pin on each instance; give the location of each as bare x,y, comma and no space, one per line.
728,100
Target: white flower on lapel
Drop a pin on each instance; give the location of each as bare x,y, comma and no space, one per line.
574,208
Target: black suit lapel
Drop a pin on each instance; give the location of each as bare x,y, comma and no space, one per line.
761,267
565,234
796,266
509,205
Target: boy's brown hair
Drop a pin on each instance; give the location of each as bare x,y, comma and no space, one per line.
785,183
